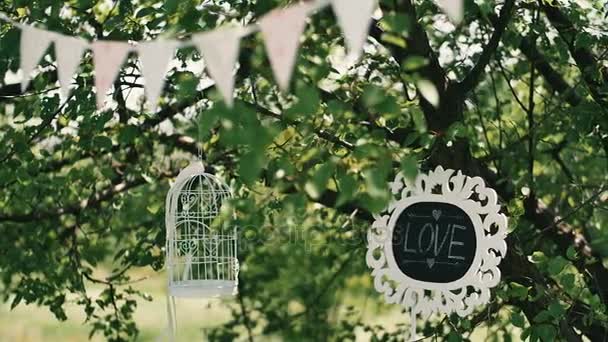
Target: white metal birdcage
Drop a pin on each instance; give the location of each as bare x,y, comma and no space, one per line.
201,250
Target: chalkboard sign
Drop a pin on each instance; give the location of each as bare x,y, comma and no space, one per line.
434,242
437,246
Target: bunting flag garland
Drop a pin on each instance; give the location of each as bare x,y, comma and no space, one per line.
282,30
34,43
155,57
454,9
69,52
108,57
220,50
355,21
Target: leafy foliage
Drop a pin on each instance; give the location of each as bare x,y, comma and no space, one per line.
517,94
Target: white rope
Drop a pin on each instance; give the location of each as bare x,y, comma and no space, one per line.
245,31
169,333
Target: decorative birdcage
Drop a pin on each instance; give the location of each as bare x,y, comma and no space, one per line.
201,249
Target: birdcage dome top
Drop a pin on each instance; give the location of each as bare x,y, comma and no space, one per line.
195,176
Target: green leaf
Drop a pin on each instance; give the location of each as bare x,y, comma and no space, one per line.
546,332
373,96
16,300
567,281
456,130
347,188
127,134
518,320
316,186
395,22
153,208
454,337
414,63
428,91
543,316
308,100
518,291
583,40
409,167
537,257
250,166
556,309
571,253
393,39
146,11
556,265
102,142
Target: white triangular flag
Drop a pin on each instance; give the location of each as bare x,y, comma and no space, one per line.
69,52
454,9
155,57
34,43
108,57
220,50
355,17
281,30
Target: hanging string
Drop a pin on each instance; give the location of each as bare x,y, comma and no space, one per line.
171,321
170,331
313,7
199,141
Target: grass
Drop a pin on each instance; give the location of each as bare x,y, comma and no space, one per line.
34,324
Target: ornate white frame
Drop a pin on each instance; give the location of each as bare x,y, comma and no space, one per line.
462,295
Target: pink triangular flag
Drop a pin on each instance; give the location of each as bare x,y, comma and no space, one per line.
69,52
355,18
108,57
281,30
220,50
454,9
34,43
155,57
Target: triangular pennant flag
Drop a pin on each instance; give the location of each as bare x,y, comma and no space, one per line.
454,9
69,52
155,57
355,18
281,30
220,50
34,43
108,57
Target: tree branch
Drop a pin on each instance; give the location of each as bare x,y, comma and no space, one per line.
94,202
585,60
473,77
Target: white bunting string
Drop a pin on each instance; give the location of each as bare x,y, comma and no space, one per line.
281,30
454,9
220,50
108,57
155,57
355,22
69,52
33,45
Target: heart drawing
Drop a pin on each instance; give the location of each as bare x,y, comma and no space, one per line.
430,262
436,214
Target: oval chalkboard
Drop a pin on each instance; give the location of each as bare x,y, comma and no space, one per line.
434,242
